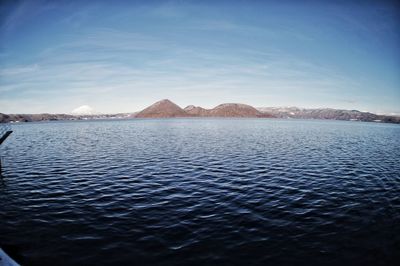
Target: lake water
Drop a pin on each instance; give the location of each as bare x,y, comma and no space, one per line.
201,192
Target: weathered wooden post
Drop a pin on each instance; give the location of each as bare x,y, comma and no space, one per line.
5,131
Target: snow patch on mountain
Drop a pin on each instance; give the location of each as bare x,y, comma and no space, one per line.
84,110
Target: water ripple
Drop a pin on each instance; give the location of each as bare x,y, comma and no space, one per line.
202,191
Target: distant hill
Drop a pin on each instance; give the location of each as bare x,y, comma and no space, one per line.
162,109
226,110
236,110
33,117
167,109
196,110
5,118
328,113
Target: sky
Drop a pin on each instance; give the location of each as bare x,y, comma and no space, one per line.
121,56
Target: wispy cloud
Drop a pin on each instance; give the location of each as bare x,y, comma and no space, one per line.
18,70
138,53
193,73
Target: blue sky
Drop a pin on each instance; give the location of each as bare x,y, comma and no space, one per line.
120,56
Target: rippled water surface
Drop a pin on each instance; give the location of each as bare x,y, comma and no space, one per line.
201,192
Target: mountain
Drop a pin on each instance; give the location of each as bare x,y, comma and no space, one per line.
196,110
236,110
84,110
166,108
328,113
162,109
226,110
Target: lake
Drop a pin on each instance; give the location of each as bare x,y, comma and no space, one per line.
201,192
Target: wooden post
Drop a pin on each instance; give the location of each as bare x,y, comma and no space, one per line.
5,136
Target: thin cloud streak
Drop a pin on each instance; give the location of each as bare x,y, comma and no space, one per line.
147,52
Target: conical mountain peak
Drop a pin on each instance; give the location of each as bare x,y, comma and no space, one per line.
166,108
161,109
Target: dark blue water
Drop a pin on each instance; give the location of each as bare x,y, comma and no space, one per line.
202,192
